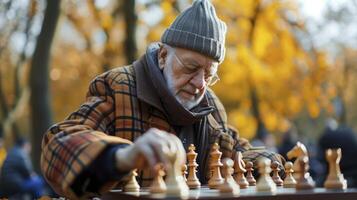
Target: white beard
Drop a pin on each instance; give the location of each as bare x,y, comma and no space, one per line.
188,104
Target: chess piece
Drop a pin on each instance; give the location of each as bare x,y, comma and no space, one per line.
298,151
192,180
132,185
289,181
305,181
335,179
215,165
229,185
250,178
184,172
175,183
276,178
239,169
265,182
158,185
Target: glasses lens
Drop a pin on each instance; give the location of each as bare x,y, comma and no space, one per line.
213,80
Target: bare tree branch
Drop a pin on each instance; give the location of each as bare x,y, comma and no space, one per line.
22,56
71,16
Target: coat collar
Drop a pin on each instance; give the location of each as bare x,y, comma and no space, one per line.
145,91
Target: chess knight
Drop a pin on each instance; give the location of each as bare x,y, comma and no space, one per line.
135,116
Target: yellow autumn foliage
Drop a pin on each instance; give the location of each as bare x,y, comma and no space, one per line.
263,56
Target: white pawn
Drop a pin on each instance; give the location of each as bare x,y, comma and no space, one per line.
289,181
265,182
229,185
158,185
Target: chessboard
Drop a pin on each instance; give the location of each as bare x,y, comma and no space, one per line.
245,194
238,182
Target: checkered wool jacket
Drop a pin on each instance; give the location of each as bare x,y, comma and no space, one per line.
117,111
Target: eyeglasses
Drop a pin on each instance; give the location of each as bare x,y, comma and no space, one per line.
210,78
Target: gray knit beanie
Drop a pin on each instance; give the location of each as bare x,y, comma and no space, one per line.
199,29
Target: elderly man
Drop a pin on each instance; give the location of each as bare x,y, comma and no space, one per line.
135,115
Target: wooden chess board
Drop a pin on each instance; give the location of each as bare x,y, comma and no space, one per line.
245,194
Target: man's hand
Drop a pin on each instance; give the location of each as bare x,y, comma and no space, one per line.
154,147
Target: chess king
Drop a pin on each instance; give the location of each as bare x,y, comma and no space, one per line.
136,115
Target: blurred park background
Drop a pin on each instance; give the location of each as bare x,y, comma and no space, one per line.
290,64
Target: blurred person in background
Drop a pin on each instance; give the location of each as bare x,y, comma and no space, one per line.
289,139
17,178
264,139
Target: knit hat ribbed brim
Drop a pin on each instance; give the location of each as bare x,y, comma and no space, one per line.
199,29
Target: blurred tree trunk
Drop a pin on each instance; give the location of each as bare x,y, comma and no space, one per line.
342,115
41,117
130,21
254,98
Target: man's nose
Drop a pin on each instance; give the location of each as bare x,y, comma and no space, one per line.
199,80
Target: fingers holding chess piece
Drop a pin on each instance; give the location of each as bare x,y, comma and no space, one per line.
335,179
250,178
215,165
229,185
305,181
192,180
175,184
265,182
239,170
276,178
289,181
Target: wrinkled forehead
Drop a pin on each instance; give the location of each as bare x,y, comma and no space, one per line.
195,58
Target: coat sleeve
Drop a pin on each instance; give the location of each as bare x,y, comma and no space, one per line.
69,147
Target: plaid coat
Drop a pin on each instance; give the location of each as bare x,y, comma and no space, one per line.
117,110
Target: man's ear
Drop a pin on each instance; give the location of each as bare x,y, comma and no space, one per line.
162,55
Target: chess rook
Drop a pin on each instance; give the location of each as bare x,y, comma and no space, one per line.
335,179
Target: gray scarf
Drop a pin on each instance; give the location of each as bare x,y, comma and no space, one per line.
175,112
